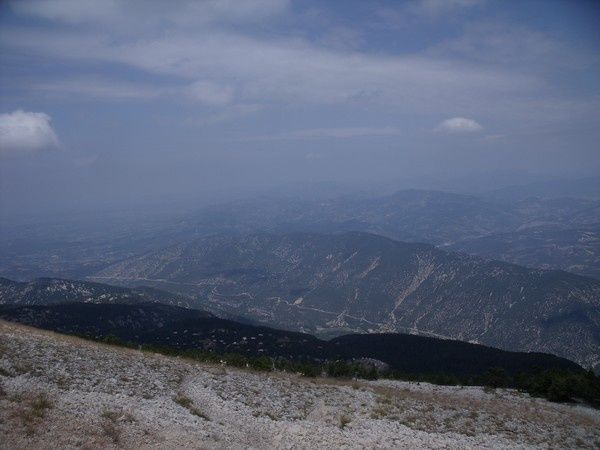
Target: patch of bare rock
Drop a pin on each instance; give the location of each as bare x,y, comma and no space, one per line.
62,392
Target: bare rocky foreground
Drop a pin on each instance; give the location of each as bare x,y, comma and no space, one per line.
61,392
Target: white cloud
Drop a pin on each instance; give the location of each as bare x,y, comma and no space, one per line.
286,72
459,125
149,13
312,156
101,88
402,14
433,8
71,11
241,10
22,131
175,50
333,133
214,94
342,38
500,44
225,114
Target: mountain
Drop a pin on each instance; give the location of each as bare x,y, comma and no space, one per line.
588,188
46,291
409,215
453,221
359,282
449,220
574,250
163,325
434,217
558,212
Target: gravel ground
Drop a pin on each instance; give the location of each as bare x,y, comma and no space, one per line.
62,392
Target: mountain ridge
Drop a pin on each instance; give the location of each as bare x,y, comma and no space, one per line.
413,215
46,290
179,328
359,282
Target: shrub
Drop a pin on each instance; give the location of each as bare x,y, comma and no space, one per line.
235,360
40,404
182,400
555,385
344,421
562,386
496,377
111,339
111,430
262,363
187,403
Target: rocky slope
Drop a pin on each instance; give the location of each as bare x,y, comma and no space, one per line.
47,291
61,392
333,284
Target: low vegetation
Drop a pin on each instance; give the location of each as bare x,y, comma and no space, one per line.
555,385
188,404
32,409
344,421
125,398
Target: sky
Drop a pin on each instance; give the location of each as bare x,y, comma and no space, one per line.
123,103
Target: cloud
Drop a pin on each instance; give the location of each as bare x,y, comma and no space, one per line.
500,44
289,72
221,65
214,94
225,114
22,131
313,156
342,38
149,13
332,133
428,10
99,88
70,11
435,8
248,10
459,125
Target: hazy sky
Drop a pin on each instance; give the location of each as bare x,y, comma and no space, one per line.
114,102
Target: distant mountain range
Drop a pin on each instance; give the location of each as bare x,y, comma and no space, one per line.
574,250
359,282
587,188
543,232
169,326
565,228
